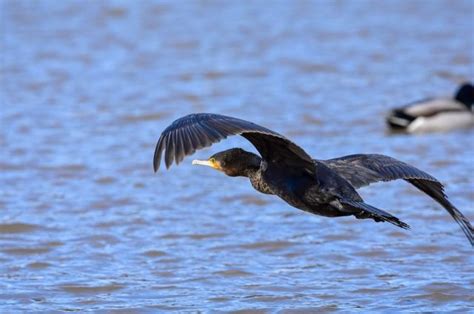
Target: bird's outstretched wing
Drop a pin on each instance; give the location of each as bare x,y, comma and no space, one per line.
361,170
195,131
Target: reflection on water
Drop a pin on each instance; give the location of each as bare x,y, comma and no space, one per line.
87,89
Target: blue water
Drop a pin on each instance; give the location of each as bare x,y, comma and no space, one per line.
88,86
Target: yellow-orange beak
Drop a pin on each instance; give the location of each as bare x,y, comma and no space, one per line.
210,163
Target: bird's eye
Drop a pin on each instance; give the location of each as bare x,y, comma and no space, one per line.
213,160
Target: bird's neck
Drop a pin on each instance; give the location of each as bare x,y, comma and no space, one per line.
250,172
252,166
257,180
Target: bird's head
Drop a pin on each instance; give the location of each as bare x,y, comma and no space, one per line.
465,95
233,162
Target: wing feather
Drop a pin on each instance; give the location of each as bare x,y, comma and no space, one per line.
179,148
195,131
361,170
169,154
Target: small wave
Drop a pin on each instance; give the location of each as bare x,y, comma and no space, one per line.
233,273
154,253
26,251
82,289
268,245
143,117
39,265
18,227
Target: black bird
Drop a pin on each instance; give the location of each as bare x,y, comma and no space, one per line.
322,187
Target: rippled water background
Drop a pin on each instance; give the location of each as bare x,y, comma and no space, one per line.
88,86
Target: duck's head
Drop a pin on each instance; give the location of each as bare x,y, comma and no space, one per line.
465,95
233,162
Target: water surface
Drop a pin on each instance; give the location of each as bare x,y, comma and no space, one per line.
87,88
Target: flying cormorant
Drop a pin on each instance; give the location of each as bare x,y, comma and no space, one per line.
322,187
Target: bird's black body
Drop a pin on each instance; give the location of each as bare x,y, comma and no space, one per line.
322,187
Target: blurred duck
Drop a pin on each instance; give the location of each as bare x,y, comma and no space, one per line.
435,114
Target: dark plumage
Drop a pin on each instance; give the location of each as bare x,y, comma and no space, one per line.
321,187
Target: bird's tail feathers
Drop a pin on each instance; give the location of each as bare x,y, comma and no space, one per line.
399,119
364,211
